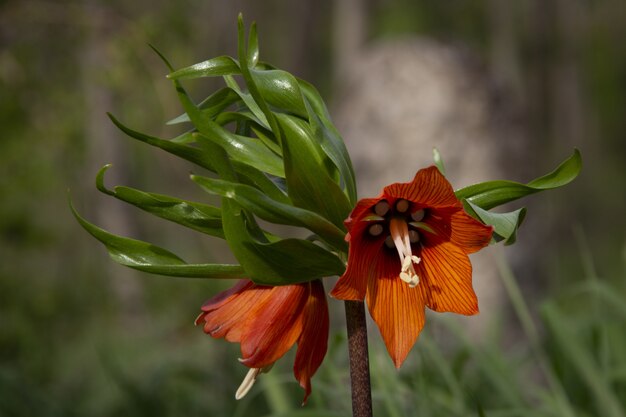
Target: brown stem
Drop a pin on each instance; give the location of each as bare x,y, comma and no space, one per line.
359,360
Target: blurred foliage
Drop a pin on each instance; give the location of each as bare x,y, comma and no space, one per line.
81,336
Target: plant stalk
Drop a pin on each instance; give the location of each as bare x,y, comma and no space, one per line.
359,359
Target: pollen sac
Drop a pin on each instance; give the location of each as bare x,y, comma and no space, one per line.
402,206
418,215
375,229
381,208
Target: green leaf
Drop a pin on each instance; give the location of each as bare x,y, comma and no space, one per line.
248,100
281,262
201,217
280,89
274,211
505,225
308,182
212,105
153,259
439,161
330,139
253,46
270,186
221,65
189,153
494,193
246,150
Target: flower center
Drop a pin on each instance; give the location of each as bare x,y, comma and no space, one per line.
397,219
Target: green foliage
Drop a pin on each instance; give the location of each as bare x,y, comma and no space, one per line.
479,198
278,157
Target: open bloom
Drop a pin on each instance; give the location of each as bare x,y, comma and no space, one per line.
266,322
408,250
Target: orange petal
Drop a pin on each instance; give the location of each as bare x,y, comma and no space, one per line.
364,255
362,209
313,341
226,314
468,233
273,329
399,313
446,279
429,188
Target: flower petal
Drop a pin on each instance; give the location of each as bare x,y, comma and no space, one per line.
362,209
468,233
313,341
446,279
274,328
429,188
226,314
399,313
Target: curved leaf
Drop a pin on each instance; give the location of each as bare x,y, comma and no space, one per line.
491,194
195,155
308,182
505,225
280,89
212,105
201,217
221,65
274,211
330,139
147,257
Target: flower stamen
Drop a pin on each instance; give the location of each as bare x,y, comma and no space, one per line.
402,239
247,383
249,380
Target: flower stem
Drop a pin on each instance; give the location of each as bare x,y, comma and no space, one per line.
359,360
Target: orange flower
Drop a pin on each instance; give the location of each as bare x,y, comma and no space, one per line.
266,322
408,250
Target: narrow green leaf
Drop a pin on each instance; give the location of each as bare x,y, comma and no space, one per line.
330,139
249,151
252,87
212,105
189,153
253,46
248,101
439,161
201,217
274,211
308,183
494,193
505,225
270,186
147,257
274,263
221,65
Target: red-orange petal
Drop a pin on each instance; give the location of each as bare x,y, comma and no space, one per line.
429,188
274,328
226,315
468,233
398,310
445,274
313,341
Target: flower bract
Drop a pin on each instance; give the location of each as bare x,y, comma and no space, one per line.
267,322
408,249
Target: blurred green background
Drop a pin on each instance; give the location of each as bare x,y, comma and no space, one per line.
82,336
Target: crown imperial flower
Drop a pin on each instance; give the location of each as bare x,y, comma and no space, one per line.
267,322
408,249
